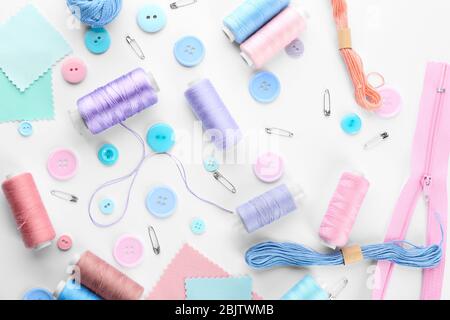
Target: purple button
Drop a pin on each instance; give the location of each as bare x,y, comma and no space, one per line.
295,49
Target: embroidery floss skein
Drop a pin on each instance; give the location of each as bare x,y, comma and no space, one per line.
95,13
250,16
365,94
270,206
273,37
105,280
70,290
214,115
29,211
117,101
343,209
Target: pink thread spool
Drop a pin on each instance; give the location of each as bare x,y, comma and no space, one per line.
105,280
343,210
29,211
273,37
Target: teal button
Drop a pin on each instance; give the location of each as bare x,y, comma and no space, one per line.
106,207
161,138
38,294
97,40
161,202
351,124
151,18
211,164
25,129
108,154
189,51
198,226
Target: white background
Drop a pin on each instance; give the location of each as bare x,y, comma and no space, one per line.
395,38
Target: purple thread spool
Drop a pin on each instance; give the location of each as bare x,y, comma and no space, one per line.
117,101
209,108
270,206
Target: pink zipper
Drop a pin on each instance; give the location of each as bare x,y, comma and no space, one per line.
427,178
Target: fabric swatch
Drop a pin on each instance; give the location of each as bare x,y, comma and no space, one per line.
34,104
29,47
188,263
219,288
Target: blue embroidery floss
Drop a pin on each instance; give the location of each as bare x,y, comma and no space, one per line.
214,115
250,16
95,13
70,290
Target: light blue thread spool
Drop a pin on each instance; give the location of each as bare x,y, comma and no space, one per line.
307,289
250,16
70,290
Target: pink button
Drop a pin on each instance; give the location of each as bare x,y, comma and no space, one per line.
269,167
64,243
392,103
73,70
62,164
128,251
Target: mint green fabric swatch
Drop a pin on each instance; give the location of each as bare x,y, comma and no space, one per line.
219,288
34,104
29,47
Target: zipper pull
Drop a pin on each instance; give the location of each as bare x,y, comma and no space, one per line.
427,180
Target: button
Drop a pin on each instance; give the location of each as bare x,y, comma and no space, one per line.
38,294
62,164
25,129
151,18
211,164
129,251
161,138
73,70
295,49
108,154
189,51
64,243
265,87
106,207
198,226
97,40
351,124
392,103
161,202
269,167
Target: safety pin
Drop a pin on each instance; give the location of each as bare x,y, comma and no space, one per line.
182,3
135,46
376,141
64,196
327,103
338,288
224,181
280,132
154,240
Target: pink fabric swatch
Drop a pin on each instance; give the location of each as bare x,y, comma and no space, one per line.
188,263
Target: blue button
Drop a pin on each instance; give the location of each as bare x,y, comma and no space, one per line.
108,154
38,294
160,138
25,129
97,40
161,202
198,226
351,124
106,207
211,164
265,87
189,51
151,18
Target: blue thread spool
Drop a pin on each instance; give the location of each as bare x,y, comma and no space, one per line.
95,13
310,289
70,290
250,16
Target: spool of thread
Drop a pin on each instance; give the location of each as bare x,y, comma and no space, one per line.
343,210
209,108
70,290
117,101
95,13
273,37
105,280
250,16
29,211
270,206
307,289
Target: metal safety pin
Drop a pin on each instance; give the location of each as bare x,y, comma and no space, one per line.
182,3
327,103
224,181
64,196
154,240
135,46
280,132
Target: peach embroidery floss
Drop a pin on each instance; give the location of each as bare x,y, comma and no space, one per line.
29,211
